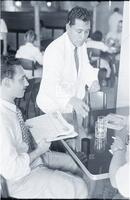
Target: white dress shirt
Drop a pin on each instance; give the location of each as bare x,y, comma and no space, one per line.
116,36
60,81
97,45
29,51
14,160
41,181
123,180
113,21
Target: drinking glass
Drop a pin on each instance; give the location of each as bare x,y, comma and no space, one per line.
100,128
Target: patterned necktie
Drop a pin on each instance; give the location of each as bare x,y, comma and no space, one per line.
76,59
26,134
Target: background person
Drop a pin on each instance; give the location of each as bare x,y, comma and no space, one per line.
100,49
26,175
31,52
113,20
113,39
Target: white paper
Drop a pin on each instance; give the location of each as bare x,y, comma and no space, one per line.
51,127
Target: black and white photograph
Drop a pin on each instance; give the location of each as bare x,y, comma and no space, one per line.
64,99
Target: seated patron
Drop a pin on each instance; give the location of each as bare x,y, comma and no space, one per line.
31,52
27,175
113,39
114,18
95,43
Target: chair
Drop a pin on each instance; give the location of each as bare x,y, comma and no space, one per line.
4,193
28,102
34,95
27,64
94,57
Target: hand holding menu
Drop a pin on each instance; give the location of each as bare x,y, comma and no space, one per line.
51,127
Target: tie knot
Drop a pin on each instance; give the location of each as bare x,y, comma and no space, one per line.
75,49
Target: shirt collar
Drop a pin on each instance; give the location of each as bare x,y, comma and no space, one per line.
69,41
29,44
8,105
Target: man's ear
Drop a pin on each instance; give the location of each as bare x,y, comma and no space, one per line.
6,82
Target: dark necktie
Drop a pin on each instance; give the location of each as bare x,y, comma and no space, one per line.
76,58
26,134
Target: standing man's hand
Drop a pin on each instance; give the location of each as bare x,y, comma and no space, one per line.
79,106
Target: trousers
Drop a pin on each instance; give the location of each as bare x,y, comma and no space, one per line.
56,178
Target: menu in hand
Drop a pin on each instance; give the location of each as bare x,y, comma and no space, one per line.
51,127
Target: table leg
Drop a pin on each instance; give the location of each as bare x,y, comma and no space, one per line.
91,184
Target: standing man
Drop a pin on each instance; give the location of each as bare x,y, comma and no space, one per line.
67,69
20,164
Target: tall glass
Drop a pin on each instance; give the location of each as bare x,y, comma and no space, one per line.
100,128
100,133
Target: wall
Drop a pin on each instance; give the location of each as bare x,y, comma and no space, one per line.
123,83
103,12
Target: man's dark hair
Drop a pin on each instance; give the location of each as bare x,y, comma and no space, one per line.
78,13
30,36
97,36
116,10
8,67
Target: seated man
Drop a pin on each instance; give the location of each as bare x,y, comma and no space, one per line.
99,51
19,163
31,52
119,168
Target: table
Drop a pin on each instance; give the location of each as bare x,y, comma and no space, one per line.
96,169
97,166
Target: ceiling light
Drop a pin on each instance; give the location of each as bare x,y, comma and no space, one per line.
49,4
18,3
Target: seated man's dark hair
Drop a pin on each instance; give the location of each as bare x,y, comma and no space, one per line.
8,67
78,13
97,36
